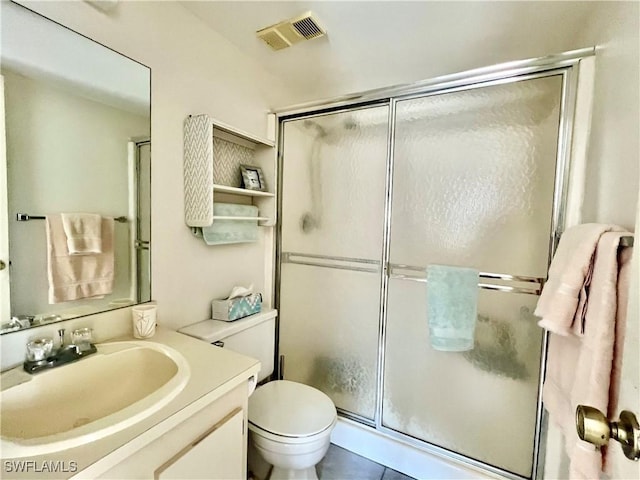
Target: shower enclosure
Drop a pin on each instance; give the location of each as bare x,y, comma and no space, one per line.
466,172
141,211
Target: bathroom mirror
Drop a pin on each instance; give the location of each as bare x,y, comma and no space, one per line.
77,130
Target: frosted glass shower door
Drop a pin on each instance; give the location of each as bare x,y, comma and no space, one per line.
333,204
473,186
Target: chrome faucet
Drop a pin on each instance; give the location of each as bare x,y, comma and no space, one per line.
61,337
42,356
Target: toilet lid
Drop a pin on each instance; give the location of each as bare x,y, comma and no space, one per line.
290,409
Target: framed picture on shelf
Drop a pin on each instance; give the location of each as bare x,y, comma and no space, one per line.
253,178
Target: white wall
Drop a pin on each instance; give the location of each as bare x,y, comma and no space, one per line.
65,153
612,174
193,70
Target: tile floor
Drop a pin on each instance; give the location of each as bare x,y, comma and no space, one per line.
341,464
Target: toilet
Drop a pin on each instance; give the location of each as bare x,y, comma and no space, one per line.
290,426
290,423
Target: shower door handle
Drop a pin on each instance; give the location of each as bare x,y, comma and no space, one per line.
329,261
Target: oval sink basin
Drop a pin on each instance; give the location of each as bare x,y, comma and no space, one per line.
120,385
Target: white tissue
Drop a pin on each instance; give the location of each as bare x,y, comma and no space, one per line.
237,292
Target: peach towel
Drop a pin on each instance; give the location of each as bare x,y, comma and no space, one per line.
72,277
84,233
563,302
585,369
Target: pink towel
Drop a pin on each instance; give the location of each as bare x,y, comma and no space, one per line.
72,277
84,233
563,301
586,369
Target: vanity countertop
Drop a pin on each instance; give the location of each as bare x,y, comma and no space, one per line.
214,372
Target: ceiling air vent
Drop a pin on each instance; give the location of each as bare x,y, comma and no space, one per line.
273,39
289,32
307,27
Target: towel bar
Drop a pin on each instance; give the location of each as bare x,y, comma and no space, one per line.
328,261
626,241
25,217
526,285
229,217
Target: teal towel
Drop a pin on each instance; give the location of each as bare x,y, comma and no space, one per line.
452,307
232,231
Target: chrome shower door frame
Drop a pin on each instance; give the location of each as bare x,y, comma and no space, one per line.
566,65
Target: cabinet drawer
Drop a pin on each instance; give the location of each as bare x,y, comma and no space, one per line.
217,454
214,426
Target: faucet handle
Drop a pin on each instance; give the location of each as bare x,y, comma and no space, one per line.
39,349
61,337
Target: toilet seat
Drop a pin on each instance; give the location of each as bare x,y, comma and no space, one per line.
290,410
310,441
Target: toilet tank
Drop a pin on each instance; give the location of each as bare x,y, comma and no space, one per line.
253,336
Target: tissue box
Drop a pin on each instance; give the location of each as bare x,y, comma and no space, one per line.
229,310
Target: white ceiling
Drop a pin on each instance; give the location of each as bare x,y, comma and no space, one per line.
373,44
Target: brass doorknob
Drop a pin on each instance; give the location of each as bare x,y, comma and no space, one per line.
2,265
594,427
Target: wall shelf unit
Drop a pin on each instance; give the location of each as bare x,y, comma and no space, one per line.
213,153
241,191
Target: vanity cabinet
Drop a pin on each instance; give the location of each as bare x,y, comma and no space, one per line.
211,444
215,454
213,153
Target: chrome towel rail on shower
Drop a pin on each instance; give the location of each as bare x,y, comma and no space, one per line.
527,285
520,284
25,217
328,261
